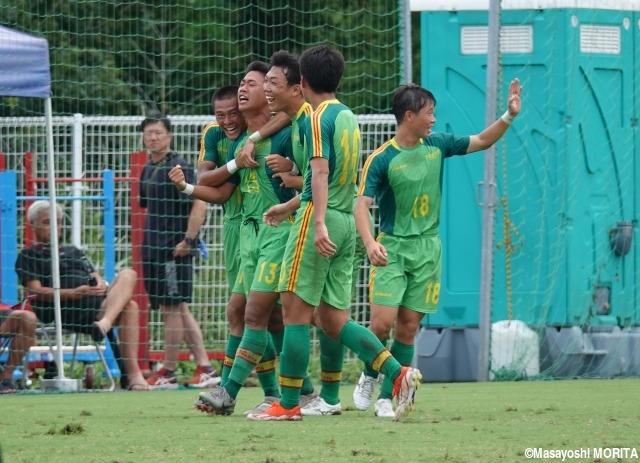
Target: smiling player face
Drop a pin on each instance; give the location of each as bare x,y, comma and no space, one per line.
425,119
229,117
277,90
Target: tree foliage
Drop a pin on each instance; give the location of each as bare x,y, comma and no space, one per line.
112,57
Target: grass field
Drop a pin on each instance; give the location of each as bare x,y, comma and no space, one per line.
464,422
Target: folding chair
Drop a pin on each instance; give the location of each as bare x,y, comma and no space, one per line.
47,333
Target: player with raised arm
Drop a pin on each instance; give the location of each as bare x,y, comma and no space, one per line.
405,176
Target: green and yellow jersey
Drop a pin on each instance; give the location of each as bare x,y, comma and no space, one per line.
333,133
214,147
407,182
297,137
259,189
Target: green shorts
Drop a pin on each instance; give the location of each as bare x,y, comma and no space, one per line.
309,275
261,251
411,277
231,249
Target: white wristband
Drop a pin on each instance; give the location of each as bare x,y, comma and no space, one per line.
188,190
295,170
255,137
507,118
232,167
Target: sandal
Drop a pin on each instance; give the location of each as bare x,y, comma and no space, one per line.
137,387
7,387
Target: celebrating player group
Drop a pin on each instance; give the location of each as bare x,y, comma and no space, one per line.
282,158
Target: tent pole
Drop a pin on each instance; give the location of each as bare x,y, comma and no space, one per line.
55,259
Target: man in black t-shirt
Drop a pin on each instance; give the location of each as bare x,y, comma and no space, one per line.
88,304
171,228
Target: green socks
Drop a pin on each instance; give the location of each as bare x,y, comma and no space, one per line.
277,338
266,370
294,361
331,358
367,368
403,353
369,349
229,356
249,353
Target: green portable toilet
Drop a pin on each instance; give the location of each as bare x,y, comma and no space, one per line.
567,171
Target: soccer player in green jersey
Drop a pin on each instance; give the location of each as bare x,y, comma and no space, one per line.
215,144
404,175
261,247
284,93
318,262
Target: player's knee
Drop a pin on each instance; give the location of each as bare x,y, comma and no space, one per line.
235,313
381,328
332,332
405,335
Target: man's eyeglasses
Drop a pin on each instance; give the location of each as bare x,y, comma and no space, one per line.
157,133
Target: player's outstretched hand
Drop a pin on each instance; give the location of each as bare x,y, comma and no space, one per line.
177,177
514,102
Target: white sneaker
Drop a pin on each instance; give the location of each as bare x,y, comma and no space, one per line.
319,407
384,409
363,393
306,398
262,406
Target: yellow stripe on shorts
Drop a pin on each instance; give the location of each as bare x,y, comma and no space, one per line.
372,276
300,242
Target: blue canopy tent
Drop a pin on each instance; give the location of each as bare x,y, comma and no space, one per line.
25,64
25,72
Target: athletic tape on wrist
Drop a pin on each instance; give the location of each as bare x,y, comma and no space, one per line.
508,118
295,170
188,190
255,137
232,167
